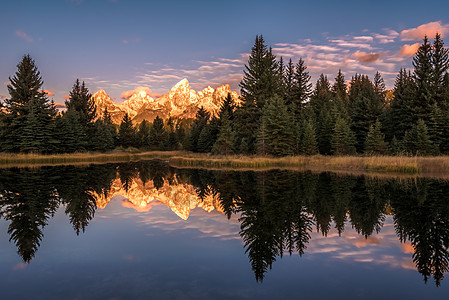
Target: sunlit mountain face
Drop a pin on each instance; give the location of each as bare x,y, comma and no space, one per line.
292,223
180,102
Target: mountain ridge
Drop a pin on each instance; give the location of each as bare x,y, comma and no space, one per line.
180,102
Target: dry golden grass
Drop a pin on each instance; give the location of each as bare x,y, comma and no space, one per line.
9,160
437,166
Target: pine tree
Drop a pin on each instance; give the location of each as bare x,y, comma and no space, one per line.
440,64
278,128
309,143
80,100
339,89
102,139
111,130
208,135
261,75
417,140
30,115
301,88
227,107
423,74
399,115
127,133
289,83
375,140
72,134
201,119
225,141
143,134
343,139
366,108
395,146
158,136
172,143
379,87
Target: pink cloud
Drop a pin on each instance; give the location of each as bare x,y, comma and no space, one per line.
409,50
22,34
429,29
364,57
48,92
7,83
66,97
2,96
142,90
407,248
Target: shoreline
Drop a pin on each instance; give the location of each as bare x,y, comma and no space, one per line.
436,166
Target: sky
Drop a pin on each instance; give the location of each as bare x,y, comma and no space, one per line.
119,45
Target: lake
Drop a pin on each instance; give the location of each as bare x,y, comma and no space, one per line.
147,230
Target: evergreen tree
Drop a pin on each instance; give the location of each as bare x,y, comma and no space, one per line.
395,146
172,143
278,128
366,108
325,126
375,140
72,134
227,107
440,64
127,133
399,115
158,136
201,119
289,83
80,100
309,143
417,140
339,89
111,130
343,139
423,74
302,88
379,88
102,139
30,115
261,75
143,134
225,141
208,135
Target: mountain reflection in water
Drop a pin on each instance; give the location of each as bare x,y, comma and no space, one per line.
278,211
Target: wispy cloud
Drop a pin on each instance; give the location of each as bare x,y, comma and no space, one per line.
409,50
22,34
364,57
428,29
142,90
48,92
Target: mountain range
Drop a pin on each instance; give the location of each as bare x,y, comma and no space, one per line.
180,102
181,198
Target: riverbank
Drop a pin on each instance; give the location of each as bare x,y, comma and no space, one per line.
385,164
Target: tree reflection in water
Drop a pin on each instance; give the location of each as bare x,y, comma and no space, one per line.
277,210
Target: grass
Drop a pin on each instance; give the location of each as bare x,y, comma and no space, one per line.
357,163
382,164
31,159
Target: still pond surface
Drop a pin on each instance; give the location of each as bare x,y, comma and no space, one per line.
147,230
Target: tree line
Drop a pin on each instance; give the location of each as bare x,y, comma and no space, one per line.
280,114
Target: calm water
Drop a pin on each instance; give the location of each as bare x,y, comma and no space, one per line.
146,230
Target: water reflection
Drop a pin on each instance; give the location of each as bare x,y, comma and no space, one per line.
277,210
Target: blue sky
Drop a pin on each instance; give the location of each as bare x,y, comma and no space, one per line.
120,45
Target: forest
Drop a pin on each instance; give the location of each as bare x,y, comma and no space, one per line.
281,114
